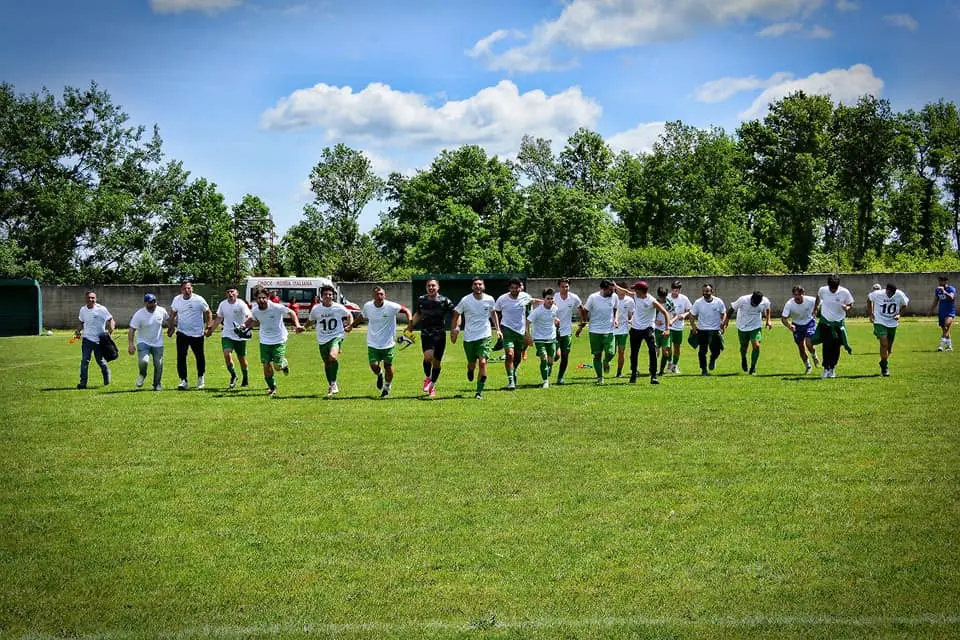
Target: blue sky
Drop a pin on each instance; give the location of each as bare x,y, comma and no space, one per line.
248,92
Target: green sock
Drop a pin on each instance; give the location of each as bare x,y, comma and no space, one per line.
544,370
754,356
598,365
271,381
675,358
232,371
481,380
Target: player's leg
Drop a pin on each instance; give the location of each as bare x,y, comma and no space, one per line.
596,350
744,339
157,353
755,350
196,345
143,361
621,340
715,348
86,351
373,358
651,340
703,341
240,351
676,339
183,346
439,348
266,358
226,345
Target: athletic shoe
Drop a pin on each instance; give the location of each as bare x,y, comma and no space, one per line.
285,368
885,373
200,382
941,347
833,373
385,392
807,367
704,372
633,378
380,380
158,387
599,381
545,385
713,364
139,381
479,396
107,378
561,381
753,371
182,386
619,374
432,390
511,385
245,382
470,374
333,390
233,381
653,380
949,347
272,392
676,369
743,363
81,386
426,385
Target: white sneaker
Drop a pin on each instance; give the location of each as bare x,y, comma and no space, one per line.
942,347
139,381
676,369
825,373
200,383
158,387
833,373
511,385
334,389
183,385
432,390
546,384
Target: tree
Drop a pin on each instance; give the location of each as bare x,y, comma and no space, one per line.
343,183
585,164
195,238
253,229
535,161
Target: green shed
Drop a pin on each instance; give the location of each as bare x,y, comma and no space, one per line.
23,309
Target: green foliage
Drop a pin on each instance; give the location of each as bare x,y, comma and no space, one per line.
253,226
680,259
754,260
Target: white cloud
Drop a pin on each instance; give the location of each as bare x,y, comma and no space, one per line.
847,5
724,88
591,25
482,47
843,85
820,32
902,20
779,29
206,6
640,139
496,117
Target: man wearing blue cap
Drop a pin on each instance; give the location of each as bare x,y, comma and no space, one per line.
148,321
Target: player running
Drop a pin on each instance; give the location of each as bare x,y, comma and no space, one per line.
798,316
945,303
477,310
567,302
753,313
541,332
512,307
333,321
430,312
232,313
884,308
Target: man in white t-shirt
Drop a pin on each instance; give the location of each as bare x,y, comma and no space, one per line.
189,317
642,328
333,322
884,308
95,319
541,332
146,326
381,315
708,321
625,308
834,301
273,335
512,307
679,307
799,313
753,313
602,307
566,302
478,313
232,313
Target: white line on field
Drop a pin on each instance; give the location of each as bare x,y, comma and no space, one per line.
227,631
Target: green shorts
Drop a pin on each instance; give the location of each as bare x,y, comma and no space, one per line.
564,343
512,339
880,331
327,347
676,336
664,341
274,353
239,347
375,355
601,343
746,337
546,348
621,340
477,349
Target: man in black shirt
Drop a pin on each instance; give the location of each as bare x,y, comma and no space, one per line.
431,312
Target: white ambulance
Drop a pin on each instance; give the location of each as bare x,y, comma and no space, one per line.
305,291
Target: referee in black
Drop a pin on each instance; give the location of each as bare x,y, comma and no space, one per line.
431,312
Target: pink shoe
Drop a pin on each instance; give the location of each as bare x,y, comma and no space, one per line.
426,385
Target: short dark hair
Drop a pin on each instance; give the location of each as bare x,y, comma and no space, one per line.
891,286
548,292
661,292
797,289
184,281
676,285
257,290
833,280
606,283
562,280
326,288
513,281
706,284
377,287
477,279
943,278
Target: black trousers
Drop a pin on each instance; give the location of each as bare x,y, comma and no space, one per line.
638,336
830,347
707,338
184,343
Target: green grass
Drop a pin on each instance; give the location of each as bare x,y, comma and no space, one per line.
779,505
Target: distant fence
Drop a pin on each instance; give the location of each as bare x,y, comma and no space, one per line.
61,304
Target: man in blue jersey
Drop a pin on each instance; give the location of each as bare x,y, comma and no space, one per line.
946,305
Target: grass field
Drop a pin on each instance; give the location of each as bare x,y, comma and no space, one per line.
774,506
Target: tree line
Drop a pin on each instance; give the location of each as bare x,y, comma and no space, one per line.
85,196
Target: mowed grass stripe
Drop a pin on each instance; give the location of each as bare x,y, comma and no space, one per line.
779,496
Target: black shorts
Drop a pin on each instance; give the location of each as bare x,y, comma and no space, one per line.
435,341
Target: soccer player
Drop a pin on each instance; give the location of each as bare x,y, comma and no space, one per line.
642,328
884,308
189,317
477,310
430,312
512,307
566,302
708,321
146,326
541,332
381,315
679,307
945,303
232,313
753,313
835,302
602,309
661,330
625,307
333,322
94,320
273,336
798,316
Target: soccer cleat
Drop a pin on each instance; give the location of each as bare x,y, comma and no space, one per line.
469,374
941,347
545,385
753,371
233,381
245,382
561,381
107,378
654,380
479,396
743,363
713,364
885,373
807,367
833,373
599,382
380,380
949,347
825,373
182,386
633,378
81,386
704,372
432,391
333,390
200,382
426,385
675,369
158,387
285,368
511,385
384,393
139,381
272,392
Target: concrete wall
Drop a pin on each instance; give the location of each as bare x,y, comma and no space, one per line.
62,303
